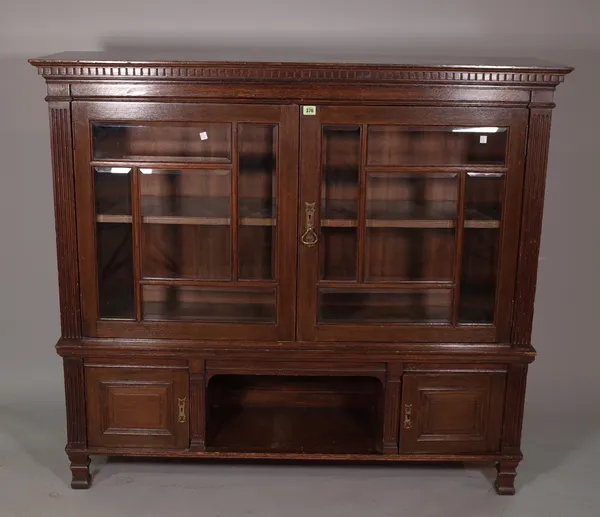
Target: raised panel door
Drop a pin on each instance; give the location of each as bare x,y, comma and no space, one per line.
137,407
451,412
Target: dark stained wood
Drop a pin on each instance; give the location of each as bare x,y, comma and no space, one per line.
445,381
140,407
459,246
408,94
391,410
197,405
194,66
294,368
80,469
451,412
291,413
505,480
459,353
64,217
516,381
538,141
75,402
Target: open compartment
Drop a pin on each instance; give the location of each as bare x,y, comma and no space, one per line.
288,414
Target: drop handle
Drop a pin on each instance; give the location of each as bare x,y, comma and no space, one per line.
181,406
407,416
310,237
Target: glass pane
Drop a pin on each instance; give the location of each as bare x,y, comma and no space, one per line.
358,306
339,201
479,275
208,142
483,203
186,251
411,220
186,230
403,145
112,188
405,254
184,303
256,252
114,248
257,148
481,243
114,244
339,253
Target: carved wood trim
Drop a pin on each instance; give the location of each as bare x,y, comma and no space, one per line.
292,72
531,224
514,406
75,402
197,405
391,411
64,216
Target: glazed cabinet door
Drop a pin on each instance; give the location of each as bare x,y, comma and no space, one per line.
408,223
137,407
450,413
187,219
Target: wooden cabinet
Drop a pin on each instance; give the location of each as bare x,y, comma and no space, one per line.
452,412
137,407
297,261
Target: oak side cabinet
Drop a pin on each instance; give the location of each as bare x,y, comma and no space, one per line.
273,260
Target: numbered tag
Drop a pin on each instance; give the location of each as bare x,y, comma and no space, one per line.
204,135
309,110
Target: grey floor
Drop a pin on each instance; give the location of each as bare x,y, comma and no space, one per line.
559,478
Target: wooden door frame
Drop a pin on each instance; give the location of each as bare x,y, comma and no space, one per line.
310,181
285,116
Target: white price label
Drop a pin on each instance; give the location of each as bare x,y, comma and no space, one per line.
204,135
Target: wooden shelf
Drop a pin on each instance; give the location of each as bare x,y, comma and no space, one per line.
471,223
210,312
109,218
192,211
434,214
410,223
293,429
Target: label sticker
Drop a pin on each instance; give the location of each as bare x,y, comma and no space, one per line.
204,135
309,110
483,139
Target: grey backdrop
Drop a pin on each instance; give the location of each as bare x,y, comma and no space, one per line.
564,384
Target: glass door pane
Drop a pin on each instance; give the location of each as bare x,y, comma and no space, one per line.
411,224
114,249
186,223
206,142
187,234
410,206
341,158
481,247
385,306
257,201
188,303
401,145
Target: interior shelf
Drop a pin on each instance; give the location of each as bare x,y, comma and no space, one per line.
402,214
288,430
194,211
327,415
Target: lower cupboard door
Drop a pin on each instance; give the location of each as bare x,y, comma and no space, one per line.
137,407
451,413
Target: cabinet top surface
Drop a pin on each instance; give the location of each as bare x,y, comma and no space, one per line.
274,58
287,66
